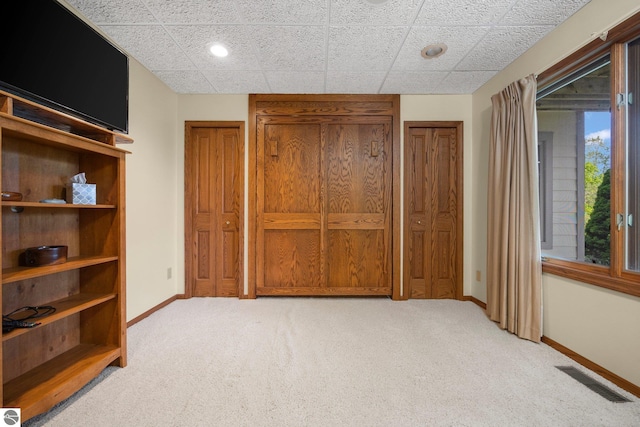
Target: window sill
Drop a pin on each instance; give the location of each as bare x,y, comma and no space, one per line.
593,275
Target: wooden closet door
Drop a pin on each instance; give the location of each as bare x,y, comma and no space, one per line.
433,206
324,197
289,215
213,198
358,177
323,206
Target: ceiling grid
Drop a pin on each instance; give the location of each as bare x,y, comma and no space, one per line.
325,46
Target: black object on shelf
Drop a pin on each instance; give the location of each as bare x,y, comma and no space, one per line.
21,317
45,255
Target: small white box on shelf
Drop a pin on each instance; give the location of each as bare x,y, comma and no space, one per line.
81,194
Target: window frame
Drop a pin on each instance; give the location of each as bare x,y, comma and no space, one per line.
613,277
545,180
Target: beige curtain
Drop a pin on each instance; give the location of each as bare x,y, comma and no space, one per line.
514,269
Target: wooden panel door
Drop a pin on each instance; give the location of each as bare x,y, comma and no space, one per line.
213,205
323,206
358,177
433,210
289,217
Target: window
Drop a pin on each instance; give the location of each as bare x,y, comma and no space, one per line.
574,114
633,156
589,153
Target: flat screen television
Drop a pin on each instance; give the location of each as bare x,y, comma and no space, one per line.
50,56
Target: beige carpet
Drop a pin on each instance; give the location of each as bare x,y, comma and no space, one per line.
335,362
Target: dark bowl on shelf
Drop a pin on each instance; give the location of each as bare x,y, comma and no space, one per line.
45,255
11,196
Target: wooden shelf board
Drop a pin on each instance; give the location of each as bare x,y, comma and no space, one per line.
56,205
10,275
23,128
41,388
64,307
19,107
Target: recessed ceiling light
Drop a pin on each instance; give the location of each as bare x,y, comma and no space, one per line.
218,50
434,50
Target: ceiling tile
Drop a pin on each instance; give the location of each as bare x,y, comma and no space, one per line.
416,82
319,46
289,47
363,48
295,81
187,81
501,46
542,12
194,11
354,82
468,12
196,40
297,12
151,45
458,45
391,12
112,12
237,82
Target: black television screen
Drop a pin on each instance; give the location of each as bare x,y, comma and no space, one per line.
49,55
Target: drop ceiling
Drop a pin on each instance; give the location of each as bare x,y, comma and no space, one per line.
325,46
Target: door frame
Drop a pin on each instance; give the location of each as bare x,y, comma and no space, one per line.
261,105
459,265
189,193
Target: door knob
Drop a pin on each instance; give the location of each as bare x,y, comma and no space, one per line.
227,222
419,222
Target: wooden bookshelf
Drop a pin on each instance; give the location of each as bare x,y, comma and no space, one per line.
41,150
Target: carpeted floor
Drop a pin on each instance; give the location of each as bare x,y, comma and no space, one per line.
335,362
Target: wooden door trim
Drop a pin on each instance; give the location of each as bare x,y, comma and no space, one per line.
459,209
252,177
189,192
261,105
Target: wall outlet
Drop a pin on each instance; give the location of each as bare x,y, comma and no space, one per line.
478,276
169,273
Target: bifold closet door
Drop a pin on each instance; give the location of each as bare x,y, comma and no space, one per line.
213,198
289,238
358,180
323,206
433,206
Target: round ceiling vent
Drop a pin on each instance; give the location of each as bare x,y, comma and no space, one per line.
434,51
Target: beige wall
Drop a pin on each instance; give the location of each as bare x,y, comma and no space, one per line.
445,108
600,325
155,183
211,108
152,239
